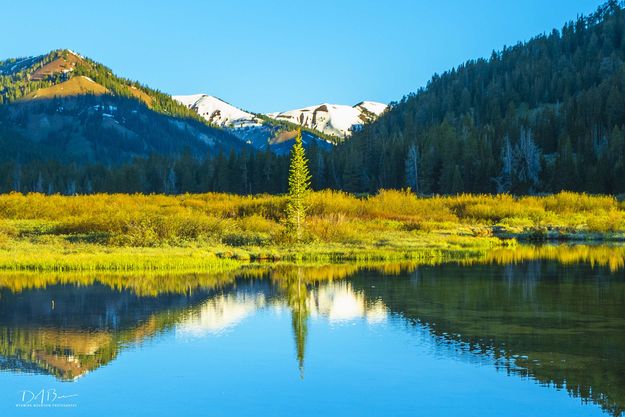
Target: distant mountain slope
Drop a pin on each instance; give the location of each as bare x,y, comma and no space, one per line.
541,116
69,107
61,64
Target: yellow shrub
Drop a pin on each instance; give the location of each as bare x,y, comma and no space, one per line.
404,205
7,231
568,202
334,202
493,209
333,216
612,221
333,228
517,224
420,225
258,224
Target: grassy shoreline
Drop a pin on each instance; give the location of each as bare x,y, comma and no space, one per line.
217,232
23,255
94,261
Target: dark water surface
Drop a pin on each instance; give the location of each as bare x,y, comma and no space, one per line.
532,339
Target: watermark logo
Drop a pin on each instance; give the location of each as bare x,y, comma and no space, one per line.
45,398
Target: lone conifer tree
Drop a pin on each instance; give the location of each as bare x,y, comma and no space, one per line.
299,187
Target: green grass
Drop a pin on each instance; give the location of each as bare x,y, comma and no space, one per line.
58,254
63,256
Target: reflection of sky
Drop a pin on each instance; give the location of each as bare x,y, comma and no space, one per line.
336,302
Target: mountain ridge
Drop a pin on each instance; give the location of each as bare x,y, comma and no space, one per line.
217,111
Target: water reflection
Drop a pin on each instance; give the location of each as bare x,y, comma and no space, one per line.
297,299
295,291
220,314
68,330
561,323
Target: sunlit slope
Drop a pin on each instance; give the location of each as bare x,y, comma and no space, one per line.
80,85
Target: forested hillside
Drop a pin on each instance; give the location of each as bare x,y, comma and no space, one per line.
66,108
541,116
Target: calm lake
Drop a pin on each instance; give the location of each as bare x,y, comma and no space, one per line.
535,338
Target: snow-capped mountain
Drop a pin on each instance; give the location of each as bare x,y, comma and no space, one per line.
260,132
217,111
333,119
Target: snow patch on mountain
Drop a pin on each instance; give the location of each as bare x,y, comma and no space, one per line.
333,119
372,107
75,54
218,112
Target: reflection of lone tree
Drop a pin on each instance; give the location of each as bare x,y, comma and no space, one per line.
297,297
299,187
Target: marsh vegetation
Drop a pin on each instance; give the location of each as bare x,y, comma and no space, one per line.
208,231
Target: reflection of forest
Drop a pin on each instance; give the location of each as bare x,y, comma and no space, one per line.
562,326
559,323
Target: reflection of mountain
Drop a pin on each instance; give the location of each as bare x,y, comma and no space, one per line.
66,354
339,302
67,330
225,310
336,301
563,326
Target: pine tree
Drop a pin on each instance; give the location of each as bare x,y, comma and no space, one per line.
299,187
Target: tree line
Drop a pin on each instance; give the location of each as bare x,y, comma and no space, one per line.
243,172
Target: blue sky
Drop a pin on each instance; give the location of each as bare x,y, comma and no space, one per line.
275,55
